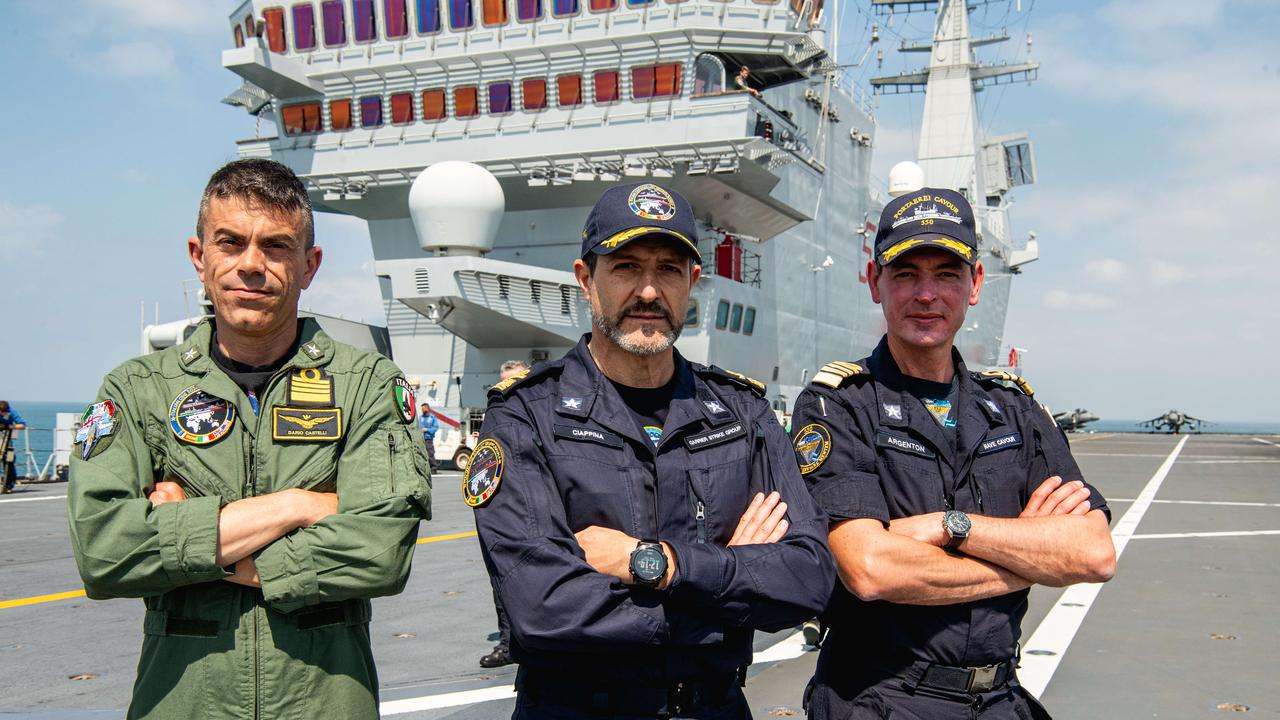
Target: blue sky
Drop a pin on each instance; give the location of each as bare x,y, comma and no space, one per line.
1156,146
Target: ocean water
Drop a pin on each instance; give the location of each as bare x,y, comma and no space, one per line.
1225,427
41,418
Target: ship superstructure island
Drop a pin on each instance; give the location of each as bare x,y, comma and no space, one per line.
557,100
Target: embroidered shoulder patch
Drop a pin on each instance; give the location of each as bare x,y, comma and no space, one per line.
402,394
483,474
98,422
812,445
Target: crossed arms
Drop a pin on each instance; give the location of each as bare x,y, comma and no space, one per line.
1057,540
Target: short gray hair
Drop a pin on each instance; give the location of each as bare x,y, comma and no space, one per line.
513,365
266,182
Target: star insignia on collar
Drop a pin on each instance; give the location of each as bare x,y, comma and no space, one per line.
190,354
714,406
311,350
893,411
991,404
571,403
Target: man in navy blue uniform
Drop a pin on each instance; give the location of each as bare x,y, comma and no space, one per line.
948,494
641,514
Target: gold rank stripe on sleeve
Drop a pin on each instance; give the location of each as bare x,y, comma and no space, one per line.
311,387
505,385
833,374
1011,378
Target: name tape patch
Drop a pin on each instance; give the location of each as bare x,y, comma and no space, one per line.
715,436
894,442
586,434
1004,442
306,424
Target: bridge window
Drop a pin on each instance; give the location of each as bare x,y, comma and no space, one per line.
708,75
606,83
534,92
564,8
304,27
340,114
433,105
639,3
655,81
722,315
466,102
335,23
499,98
366,27
460,17
250,27
396,18
238,33
371,111
428,16
275,28
569,90
401,108
735,319
749,321
493,12
602,5
691,313
302,118
528,10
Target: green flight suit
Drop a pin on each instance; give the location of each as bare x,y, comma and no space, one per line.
299,647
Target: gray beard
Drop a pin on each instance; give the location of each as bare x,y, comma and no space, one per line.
611,328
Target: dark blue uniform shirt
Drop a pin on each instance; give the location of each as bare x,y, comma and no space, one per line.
574,456
886,458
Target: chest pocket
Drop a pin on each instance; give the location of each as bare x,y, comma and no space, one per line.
1001,472
598,488
913,483
203,470
720,490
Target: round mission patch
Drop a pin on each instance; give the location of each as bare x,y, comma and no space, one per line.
484,472
813,445
402,393
199,418
652,202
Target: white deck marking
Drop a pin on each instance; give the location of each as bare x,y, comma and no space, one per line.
787,648
1224,533
1059,627
34,499
1265,442
1231,503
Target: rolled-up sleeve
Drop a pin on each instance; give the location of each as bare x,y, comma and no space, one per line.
844,483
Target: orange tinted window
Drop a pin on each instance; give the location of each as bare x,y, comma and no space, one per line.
606,82
401,109
275,29
340,114
534,91
569,88
249,26
465,103
239,34
433,104
298,119
602,5
655,81
493,12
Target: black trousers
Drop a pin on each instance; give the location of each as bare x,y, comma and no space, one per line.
504,625
898,698
544,706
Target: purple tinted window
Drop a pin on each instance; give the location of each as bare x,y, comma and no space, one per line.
362,16
639,3
428,16
564,7
335,28
371,111
304,27
397,18
528,9
460,15
499,98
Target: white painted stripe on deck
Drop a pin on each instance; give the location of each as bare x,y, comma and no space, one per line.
787,648
1224,533
1265,442
1059,627
1232,503
34,499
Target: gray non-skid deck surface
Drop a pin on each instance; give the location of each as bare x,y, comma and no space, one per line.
1146,647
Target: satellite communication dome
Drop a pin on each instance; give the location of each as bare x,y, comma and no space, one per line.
905,177
456,208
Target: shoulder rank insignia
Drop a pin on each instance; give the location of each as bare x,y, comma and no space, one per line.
834,374
1009,378
503,386
736,378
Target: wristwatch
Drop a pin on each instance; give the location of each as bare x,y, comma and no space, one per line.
648,563
957,525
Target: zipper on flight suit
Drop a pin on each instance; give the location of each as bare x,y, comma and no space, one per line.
699,512
391,472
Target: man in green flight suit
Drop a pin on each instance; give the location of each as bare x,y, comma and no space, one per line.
255,485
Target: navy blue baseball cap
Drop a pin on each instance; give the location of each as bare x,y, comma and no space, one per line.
928,217
630,212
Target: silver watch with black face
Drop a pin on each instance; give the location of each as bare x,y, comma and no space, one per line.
957,525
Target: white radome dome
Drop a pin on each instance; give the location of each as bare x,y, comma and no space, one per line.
456,208
905,177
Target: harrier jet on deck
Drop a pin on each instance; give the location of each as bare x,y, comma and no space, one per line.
1172,422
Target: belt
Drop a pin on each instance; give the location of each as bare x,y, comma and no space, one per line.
678,698
344,612
968,679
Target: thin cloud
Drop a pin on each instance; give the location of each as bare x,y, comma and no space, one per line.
138,59
1106,270
1154,16
1062,299
1167,273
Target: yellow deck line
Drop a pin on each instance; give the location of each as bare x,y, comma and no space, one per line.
38,599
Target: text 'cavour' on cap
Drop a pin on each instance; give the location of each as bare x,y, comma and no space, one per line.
630,212
928,217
